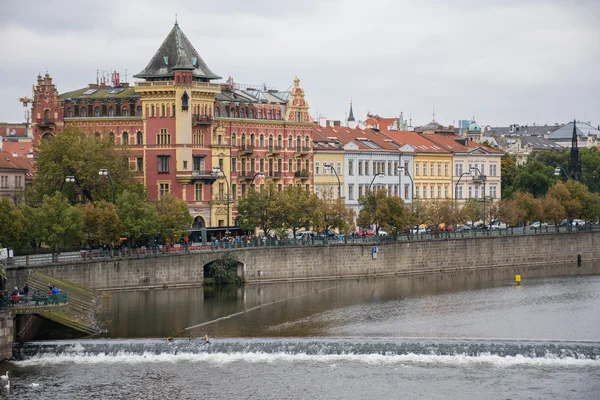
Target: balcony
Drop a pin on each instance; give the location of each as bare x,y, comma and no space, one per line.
246,149
209,177
201,119
45,121
274,174
303,150
246,175
274,149
301,174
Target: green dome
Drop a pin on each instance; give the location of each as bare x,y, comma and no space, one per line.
473,127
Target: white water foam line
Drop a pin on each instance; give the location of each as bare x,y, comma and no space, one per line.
225,358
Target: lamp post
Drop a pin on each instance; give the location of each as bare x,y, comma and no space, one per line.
373,180
558,170
471,169
456,187
412,183
330,166
258,175
105,172
70,179
216,170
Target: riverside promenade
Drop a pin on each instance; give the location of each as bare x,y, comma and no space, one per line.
568,250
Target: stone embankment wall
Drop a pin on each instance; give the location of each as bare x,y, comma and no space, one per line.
6,335
557,251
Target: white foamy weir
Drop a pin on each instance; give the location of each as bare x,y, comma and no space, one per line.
225,358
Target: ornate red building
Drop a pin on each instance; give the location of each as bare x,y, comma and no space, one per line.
178,126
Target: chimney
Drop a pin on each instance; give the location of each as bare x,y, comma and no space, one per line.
337,123
323,122
125,84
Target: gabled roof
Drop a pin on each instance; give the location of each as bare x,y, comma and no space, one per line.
176,52
382,124
364,139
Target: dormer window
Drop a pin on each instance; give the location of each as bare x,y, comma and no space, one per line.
184,101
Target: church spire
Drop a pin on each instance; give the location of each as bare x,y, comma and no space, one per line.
574,161
351,114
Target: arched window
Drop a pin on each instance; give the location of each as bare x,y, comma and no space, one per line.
271,142
252,139
139,111
278,114
220,139
269,115
139,138
298,142
125,112
83,112
242,113
233,139
232,113
47,136
97,112
259,113
217,112
69,112
111,137
111,111
152,110
279,141
290,143
251,113
172,110
243,144
306,142
262,141
125,140
162,110
97,135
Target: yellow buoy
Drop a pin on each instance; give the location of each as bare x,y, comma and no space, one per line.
518,279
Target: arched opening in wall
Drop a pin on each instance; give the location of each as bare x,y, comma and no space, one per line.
226,270
97,112
139,111
139,138
83,112
125,140
97,135
47,115
69,112
47,136
199,222
111,111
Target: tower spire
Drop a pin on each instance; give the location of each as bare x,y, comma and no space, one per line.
351,114
574,161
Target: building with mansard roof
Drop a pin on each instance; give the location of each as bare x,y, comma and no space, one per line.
179,125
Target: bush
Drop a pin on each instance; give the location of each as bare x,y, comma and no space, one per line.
223,272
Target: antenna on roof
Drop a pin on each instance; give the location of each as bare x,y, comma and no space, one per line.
97,77
175,18
433,110
125,79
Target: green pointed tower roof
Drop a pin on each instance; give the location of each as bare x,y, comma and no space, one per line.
175,53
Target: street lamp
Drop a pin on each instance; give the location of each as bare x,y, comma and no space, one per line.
456,187
216,170
104,172
412,183
259,175
373,180
558,170
69,179
471,171
330,166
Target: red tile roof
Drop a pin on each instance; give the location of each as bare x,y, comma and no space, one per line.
358,136
13,130
21,148
418,141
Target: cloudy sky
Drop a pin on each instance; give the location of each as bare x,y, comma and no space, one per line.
509,61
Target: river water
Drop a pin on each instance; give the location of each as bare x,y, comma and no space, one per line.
451,336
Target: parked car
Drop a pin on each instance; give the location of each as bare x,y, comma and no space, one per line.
383,233
301,233
462,228
448,228
538,225
417,229
577,222
498,225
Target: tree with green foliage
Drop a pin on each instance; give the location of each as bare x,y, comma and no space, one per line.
374,210
441,212
398,219
553,210
138,216
59,222
590,168
296,201
174,218
535,178
572,206
12,225
260,209
101,223
332,214
473,210
223,271
508,173
74,152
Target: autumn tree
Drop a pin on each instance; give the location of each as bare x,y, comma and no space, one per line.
101,223
374,210
509,212
553,209
296,203
332,214
174,218
260,209
531,206
473,210
590,202
571,205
